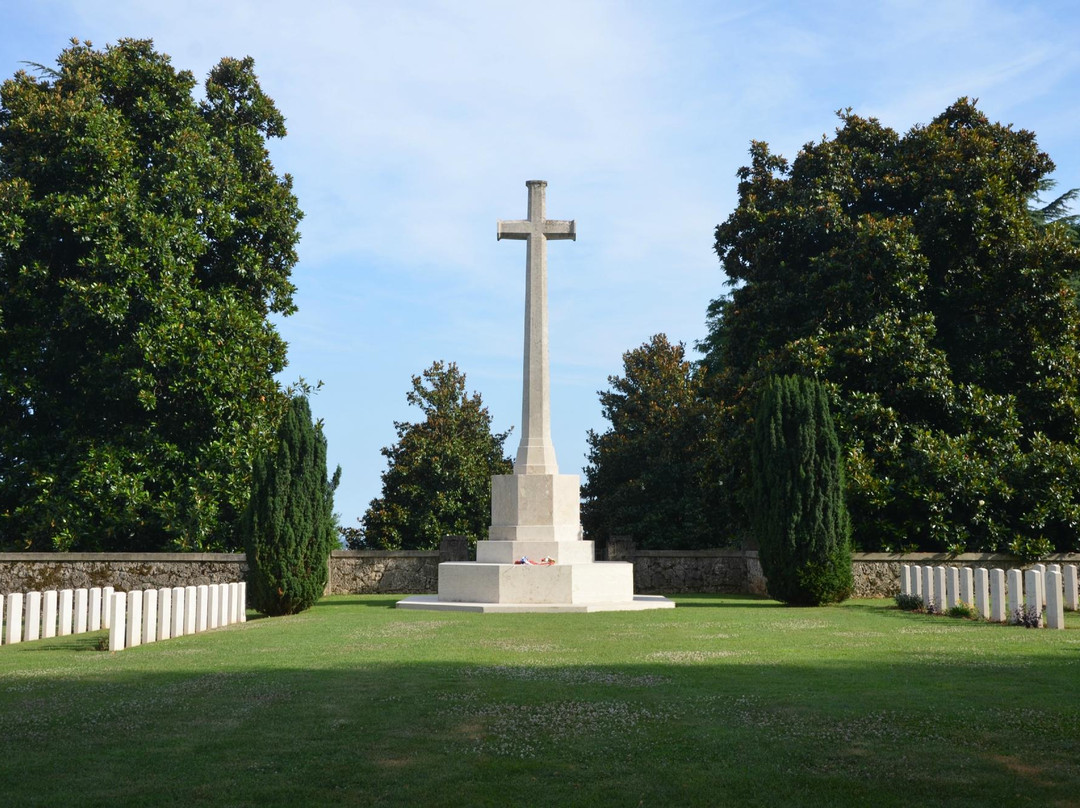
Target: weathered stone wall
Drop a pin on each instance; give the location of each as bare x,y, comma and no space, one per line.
727,572
355,572
29,572
351,572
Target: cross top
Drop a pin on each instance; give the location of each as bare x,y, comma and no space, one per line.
536,224
536,454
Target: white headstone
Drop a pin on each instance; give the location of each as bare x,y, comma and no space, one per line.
48,614
150,616
905,579
14,617
191,597
179,605
928,588
95,608
202,602
164,631
1055,608
999,606
226,605
243,601
67,602
1,619
82,603
1033,588
214,607
1016,593
982,592
967,586
133,636
1072,599
952,587
916,580
117,613
107,593
1041,569
33,616
940,597
234,601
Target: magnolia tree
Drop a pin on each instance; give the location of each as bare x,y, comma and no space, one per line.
145,238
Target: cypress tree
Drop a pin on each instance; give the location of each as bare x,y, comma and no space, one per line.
799,514
289,526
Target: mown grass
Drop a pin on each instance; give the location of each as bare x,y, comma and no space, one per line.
722,701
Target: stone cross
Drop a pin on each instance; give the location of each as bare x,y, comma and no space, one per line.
536,453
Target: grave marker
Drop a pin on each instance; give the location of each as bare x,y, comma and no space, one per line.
1016,593
95,608
952,587
998,606
107,593
940,597
150,616
982,593
928,588
202,601
33,616
191,596
82,600
133,636
15,618
1033,581
48,615
164,631
117,613
967,586
66,604
1055,609
1072,599
179,610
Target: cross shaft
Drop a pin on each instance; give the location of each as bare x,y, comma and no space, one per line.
536,453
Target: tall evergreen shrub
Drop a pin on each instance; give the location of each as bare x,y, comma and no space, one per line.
288,526
799,515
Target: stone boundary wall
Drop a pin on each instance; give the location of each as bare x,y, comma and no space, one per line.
668,572
125,572
676,572
351,571
372,572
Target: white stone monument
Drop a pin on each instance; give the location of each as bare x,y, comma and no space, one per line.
535,512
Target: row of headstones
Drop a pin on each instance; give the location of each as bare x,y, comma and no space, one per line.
159,614
1049,590
132,617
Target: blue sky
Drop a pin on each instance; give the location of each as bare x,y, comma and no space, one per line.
414,125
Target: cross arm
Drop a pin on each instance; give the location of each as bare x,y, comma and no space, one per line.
513,228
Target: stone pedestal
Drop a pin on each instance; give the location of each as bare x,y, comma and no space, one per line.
535,516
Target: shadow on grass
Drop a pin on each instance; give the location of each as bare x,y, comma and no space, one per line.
368,732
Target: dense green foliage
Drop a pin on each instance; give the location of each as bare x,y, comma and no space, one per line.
438,482
144,240
908,274
800,518
646,474
288,526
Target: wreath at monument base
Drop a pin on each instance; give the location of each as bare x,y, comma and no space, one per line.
546,561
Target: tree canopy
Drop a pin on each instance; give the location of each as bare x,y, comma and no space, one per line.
907,273
144,240
438,481
646,474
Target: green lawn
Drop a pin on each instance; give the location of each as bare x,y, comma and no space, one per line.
722,701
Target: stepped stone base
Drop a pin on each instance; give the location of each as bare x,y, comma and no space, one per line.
432,603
